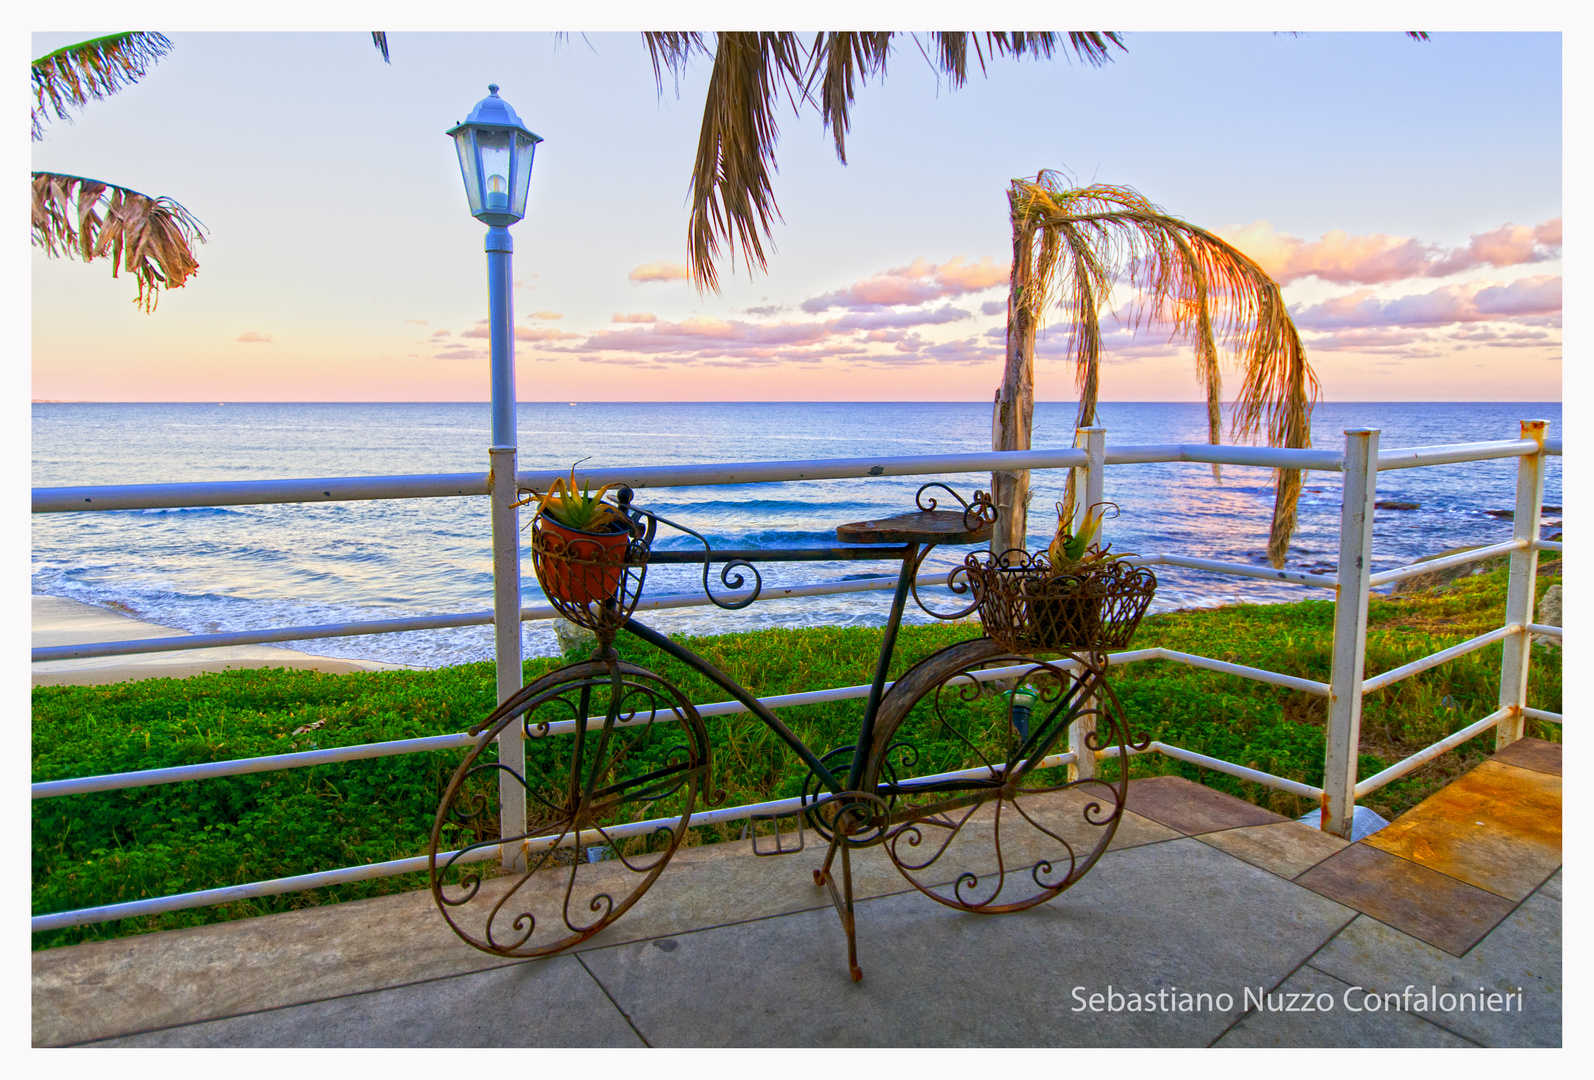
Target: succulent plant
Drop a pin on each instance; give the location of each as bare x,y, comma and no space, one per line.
583,510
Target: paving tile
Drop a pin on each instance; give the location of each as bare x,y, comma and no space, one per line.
1281,1021
1498,827
1286,848
1424,903
1522,954
1192,808
1146,919
1536,754
550,1002
108,988
1552,888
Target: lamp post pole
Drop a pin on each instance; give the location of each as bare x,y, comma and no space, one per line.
495,155
502,455
507,658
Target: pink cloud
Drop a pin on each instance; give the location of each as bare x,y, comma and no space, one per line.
1481,301
1376,258
522,333
660,271
916,283
254,337
547,314
635,317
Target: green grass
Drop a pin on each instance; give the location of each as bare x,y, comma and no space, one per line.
116,846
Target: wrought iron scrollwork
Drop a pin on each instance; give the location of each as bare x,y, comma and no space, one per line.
734,584
977,512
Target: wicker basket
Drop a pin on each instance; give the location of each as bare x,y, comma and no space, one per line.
1026,609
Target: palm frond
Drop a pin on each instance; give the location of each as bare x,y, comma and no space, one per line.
92,70
840,58
1205,289
152,239
732,200
672,49
379,39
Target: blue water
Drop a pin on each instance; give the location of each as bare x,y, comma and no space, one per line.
252,567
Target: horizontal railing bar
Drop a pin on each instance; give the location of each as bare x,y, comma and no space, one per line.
49,653
1274,678
303,759
392,868
1405,671
1179,753
1401,768
229,893
1294,577
1540,714
1544,628
1267,457
45,654
767,472
1547,545
46,789
1410,457
445,485
254,492
1459,559
49,789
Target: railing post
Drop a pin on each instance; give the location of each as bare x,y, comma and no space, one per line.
1343,740
1095,438
1517,650
506,642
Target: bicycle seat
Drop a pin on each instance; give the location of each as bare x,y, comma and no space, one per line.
920,527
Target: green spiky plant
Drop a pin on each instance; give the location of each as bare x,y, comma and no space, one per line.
583,510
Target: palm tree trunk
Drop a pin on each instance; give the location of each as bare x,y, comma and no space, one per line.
1014,408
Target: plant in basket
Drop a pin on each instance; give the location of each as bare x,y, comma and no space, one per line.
1074,596
580,542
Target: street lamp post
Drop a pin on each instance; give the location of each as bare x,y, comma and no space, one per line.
495,155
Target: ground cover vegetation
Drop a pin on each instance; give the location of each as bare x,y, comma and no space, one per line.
116,846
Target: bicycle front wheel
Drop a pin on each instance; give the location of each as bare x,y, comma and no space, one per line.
615,758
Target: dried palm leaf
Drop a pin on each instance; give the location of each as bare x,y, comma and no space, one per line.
1206,290
91,70
152,239
379,39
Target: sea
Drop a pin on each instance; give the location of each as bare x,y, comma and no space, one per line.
257,567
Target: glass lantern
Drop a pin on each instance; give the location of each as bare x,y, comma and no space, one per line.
495,152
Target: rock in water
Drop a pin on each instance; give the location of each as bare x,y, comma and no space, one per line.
575,642
1396,504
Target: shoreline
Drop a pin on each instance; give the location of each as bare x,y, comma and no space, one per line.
60,621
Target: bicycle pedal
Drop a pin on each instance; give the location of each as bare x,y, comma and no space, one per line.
776,842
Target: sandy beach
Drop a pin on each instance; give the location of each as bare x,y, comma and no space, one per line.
58,621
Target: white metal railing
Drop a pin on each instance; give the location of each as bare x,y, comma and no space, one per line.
1361,463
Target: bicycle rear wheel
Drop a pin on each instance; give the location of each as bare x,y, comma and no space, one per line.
615,760
983,817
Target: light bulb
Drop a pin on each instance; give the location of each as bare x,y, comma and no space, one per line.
497,196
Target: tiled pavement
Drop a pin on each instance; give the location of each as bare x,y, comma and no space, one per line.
1200,893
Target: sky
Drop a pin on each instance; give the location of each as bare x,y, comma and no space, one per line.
1407,195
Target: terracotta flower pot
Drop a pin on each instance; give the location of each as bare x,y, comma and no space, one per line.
580,567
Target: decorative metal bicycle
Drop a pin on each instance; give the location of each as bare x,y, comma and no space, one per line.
958,771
